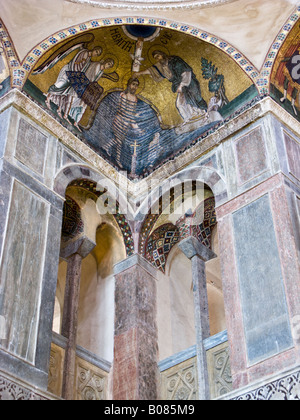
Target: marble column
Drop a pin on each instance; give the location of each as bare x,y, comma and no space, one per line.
80,248
135,371
199,255
69,324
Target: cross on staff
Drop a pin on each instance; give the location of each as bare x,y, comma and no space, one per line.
134,157
135,145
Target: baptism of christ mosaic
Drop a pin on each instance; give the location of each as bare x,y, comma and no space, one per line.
139,94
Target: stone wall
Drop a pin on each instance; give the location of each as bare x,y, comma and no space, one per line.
251,165
30,239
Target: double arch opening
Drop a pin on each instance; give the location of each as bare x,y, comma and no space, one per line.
175,306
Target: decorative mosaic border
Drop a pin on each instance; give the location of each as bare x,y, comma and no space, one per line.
127,233
20,72
263,83
160,244
148,224
10,53
34,56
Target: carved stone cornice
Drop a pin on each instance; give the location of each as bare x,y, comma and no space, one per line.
152,4
283,386
14,389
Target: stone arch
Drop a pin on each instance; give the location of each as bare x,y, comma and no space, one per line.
39,50
160,243
208,176
267,70
175,290
97,183
21,71
204,174
76,171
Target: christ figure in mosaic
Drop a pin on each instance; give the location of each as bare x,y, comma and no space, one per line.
125,118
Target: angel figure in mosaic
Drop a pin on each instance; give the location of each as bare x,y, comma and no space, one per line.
87,92
76,86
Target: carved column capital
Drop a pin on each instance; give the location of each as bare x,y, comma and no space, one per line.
132,261
191,247
82,246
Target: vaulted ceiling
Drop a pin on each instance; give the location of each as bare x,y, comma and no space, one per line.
250,25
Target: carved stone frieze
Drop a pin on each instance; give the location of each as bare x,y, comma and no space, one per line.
91,382
286,388
15,390
180,381
220,377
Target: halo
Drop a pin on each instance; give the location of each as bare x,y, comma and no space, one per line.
98,46
157,47
128,76
97,43
115,58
